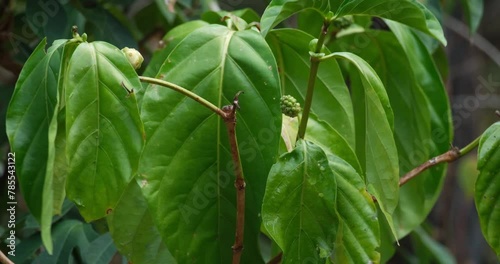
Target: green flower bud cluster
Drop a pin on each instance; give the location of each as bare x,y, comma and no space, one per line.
290,106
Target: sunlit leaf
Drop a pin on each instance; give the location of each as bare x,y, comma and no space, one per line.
103,128
186,168
299,206
29,115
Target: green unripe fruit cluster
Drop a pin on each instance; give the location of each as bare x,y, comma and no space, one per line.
290,106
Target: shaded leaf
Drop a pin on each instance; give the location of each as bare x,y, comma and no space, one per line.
105,27
299,205
487,196
409,12
103,128
100,250
186,165
473,10
30,112
429,250
133,229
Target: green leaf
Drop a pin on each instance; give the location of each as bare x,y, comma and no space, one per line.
358,237
103,128
100,250
133,229
186,168
428,78
331,100
375,145
30,112
473,10
279,10
217,17
299,205
409,12
429,250
412,125
487,195
105,27
68,236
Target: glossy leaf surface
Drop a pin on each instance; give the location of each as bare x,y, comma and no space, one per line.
375,145
409,12
186,168
299,206
279,10
30,112
103,128
487,196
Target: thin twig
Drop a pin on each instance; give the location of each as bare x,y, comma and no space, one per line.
239,183
276,259
453,154
4,259
185,92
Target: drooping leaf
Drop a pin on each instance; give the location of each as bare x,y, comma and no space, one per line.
186,166
133,229
487,196
331,100
299,209
428,78
375,145
412,127
358,237
103,128
30,112
279,10
409,12
473,10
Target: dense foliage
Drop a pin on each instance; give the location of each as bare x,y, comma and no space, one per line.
156,168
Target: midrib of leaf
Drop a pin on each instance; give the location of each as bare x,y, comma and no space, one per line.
304,151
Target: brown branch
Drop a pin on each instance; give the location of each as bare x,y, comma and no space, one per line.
239,183
4,259
449,156
276,259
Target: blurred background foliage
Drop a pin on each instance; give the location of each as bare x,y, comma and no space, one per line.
450,234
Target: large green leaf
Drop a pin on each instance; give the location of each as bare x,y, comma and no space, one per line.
100,250
186,168
299,206
279,10
412,127
103,128
409,12
331,100
133,229
69,236
428,78
358,237
29,115
487,195
473,10
375,145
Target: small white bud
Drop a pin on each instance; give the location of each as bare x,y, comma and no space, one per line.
134,57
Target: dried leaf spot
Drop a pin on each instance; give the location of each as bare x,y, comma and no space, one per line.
109,211
144,183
